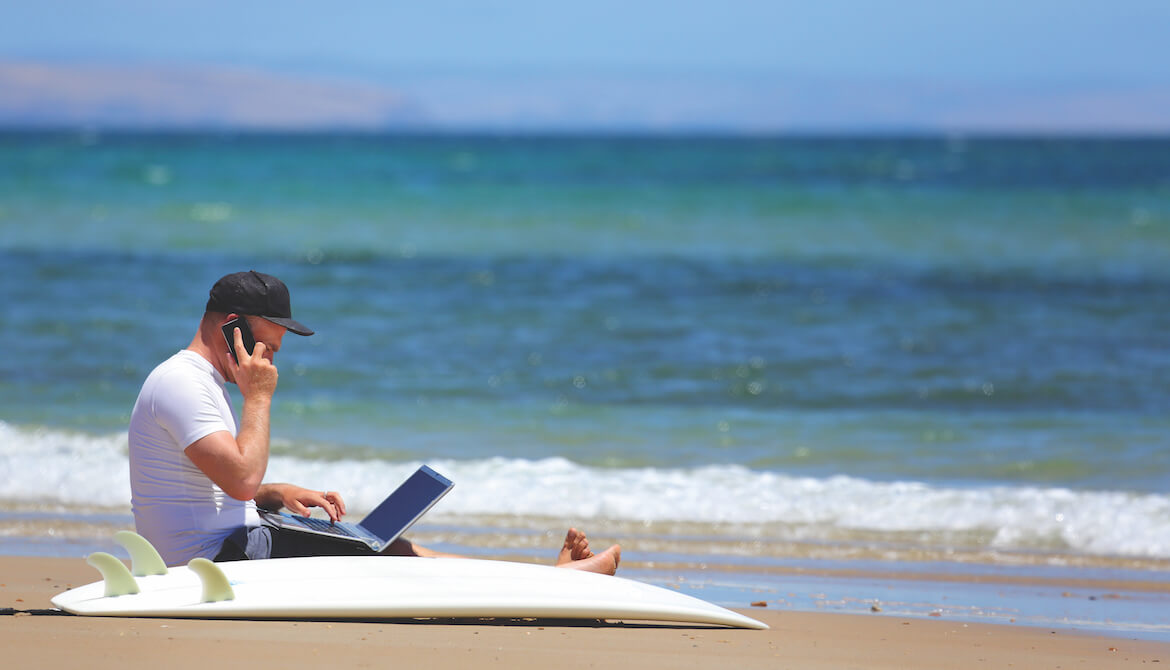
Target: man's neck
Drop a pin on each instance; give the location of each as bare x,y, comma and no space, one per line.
202,345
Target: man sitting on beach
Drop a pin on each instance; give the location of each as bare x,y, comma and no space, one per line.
196,474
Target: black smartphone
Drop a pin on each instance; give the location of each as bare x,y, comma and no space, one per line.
229,334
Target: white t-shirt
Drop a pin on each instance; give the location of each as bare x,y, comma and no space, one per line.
177,507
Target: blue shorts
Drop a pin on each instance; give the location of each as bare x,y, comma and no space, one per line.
266,542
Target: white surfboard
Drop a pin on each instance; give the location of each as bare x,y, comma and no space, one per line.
370,587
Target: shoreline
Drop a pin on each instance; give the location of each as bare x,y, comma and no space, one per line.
796,639
1104,598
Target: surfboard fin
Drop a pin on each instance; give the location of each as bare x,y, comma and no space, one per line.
143,556
215,583
118,580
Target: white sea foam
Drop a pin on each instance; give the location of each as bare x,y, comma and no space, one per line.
52,468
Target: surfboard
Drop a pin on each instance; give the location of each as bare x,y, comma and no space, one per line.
377,587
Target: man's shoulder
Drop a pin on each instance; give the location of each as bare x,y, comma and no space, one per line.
186,363
176,394
185,370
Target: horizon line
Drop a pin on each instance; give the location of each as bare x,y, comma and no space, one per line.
698,132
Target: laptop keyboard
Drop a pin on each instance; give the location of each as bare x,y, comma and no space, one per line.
325,525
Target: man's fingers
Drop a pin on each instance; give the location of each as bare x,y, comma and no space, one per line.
239,338
333,505
258,348
337,501
299,500
329,509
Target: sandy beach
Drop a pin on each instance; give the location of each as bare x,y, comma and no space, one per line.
33,636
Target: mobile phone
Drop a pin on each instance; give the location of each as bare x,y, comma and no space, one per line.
245,334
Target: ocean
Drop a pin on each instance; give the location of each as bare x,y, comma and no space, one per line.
945,354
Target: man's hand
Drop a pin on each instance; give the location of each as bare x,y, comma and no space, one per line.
255,373
298,500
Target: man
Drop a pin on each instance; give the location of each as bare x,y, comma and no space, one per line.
196,474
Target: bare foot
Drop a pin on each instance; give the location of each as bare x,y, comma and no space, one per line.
605,563
576,547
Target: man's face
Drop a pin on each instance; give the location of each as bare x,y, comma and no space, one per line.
264,331
267,332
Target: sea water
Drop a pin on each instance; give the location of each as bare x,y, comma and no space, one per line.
713,349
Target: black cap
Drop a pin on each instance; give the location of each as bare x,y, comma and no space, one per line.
255,294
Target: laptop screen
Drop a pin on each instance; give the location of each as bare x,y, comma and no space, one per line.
407,503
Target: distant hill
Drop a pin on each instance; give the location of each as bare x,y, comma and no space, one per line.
168,97
51,95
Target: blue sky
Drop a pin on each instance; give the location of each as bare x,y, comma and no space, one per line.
746,65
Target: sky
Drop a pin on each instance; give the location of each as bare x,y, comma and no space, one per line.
739,66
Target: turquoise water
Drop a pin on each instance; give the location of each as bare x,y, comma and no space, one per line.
922,343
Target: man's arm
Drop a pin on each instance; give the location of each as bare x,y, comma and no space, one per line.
237,464
230,464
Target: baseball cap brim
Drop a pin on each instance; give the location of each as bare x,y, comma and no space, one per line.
292,325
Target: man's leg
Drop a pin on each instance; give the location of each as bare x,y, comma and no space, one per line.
575,553
265,542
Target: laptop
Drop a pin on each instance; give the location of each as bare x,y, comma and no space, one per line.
390,519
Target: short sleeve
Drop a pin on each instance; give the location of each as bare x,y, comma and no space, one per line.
187,411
